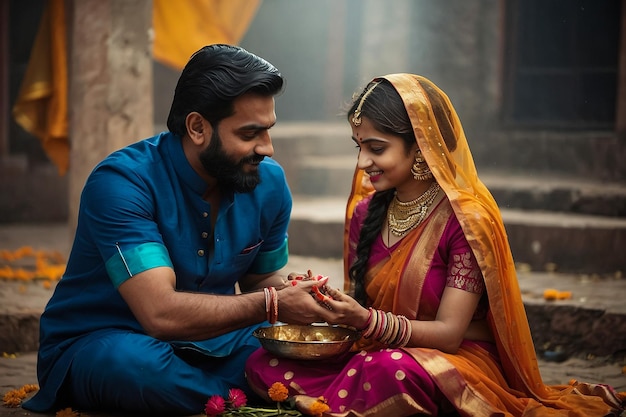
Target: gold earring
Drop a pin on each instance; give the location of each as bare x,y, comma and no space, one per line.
420,169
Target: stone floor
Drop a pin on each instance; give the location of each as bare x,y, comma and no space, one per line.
20,370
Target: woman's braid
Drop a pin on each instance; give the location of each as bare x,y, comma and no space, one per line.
376,213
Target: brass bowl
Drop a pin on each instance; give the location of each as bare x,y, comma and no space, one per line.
312,342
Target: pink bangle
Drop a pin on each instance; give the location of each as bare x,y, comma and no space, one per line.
369,330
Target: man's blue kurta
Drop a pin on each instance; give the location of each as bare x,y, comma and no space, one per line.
142,208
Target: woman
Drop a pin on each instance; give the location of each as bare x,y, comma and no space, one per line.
434,284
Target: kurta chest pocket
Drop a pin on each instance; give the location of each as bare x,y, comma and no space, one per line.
244,259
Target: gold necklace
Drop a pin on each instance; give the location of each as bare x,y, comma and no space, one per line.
403,217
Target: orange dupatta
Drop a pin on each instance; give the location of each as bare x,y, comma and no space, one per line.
524,393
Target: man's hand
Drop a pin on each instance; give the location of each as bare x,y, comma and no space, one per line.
297,305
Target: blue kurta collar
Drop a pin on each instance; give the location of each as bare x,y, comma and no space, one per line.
174,147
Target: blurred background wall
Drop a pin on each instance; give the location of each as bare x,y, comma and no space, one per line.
539,85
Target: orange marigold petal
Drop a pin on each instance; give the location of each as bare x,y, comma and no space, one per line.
550,294
14,397
12,402
30,387
67,412
278,392
564,295
318,408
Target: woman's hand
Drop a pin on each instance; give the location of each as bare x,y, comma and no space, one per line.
345,310
297,303
339,308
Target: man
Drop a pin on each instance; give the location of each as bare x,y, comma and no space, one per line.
146,317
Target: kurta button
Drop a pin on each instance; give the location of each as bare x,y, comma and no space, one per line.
200,252
205,235
205,214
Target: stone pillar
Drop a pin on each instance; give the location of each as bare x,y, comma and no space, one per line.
4,79
620,123
110,85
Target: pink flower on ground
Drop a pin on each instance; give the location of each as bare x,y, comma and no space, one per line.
215,406
237,397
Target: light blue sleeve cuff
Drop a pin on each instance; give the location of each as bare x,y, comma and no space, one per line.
124,265
270,261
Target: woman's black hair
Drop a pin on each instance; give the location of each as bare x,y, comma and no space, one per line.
385,110
213,78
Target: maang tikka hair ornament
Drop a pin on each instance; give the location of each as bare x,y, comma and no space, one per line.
356,117
420,169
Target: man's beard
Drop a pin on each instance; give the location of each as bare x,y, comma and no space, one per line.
230,175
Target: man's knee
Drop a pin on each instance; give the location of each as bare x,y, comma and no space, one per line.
136,358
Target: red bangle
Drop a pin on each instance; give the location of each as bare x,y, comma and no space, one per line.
373,324
274,305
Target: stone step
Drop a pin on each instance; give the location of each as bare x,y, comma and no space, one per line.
31,192
535,191
538,239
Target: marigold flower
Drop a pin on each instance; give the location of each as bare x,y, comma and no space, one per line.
30,388
67,412
13,398
237,397
48,265
311,406
319,407
564,295
278,392
550,294
215,405
23,274
5,255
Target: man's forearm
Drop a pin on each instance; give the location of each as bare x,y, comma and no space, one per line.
196,316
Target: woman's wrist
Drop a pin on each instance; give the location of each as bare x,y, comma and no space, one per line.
366,318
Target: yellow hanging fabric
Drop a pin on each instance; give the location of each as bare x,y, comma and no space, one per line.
180,27
41,105
183,27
